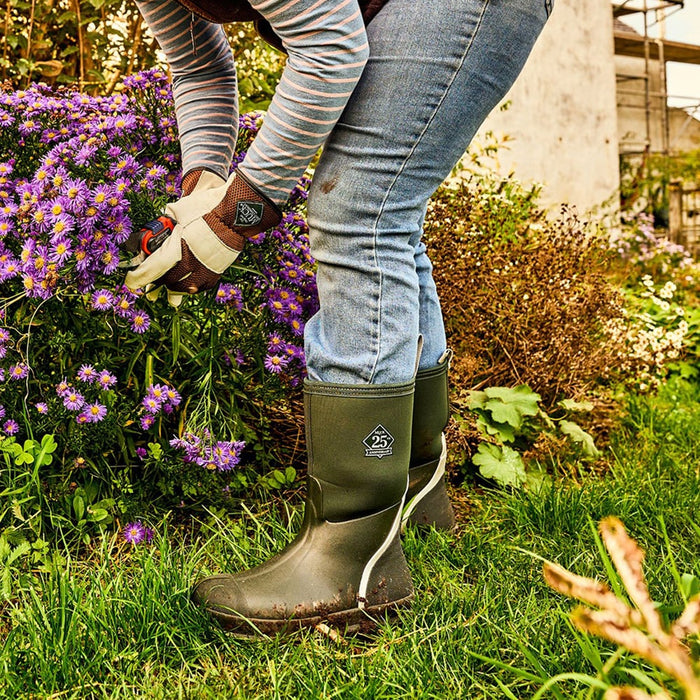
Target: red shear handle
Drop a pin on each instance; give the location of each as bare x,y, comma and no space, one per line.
154,233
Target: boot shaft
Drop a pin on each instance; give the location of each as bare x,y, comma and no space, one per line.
358,440
431,411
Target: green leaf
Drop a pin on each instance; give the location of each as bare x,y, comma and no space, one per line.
155,450
78,506
175,338
511,405
476,400
48,444
690,584
502,464
502,431
576,406
578,434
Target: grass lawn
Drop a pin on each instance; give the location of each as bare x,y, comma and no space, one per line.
117,622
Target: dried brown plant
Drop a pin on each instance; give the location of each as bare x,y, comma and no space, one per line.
639,629
526,299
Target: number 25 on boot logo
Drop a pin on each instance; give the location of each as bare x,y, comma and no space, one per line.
378,443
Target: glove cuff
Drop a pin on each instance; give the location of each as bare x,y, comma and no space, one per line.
200,179
243,212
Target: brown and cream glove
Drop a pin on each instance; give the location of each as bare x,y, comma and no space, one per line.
212,224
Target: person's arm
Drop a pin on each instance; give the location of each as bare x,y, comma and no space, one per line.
204,84
327,46
327,50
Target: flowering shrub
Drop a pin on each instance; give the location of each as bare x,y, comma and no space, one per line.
644,252
178,396
652,336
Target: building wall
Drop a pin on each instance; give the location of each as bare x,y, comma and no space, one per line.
685,131
562,118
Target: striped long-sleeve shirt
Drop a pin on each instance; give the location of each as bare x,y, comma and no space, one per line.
327,50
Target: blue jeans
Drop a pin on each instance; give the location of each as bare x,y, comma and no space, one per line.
436,70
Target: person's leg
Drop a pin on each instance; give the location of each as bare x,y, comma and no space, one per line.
435,72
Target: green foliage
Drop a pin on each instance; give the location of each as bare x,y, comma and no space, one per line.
94,43
644,181
279,479
514,416
501,464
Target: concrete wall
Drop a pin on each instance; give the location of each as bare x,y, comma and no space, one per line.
685,131
562,117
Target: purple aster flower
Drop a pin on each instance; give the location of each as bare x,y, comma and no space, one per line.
134,533
102,300
106,379
11,427
76,191
95,412
4,335
275,343
147,421
109,259
122,307
276,363
296,326
72,400
157,391
2,411
6,227
225,455
172,396
151,404
19,371
140,322
42,407
87,374
148,535
61,249
9,269
141,452
62,387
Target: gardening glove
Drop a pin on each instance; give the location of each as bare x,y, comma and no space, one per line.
212,225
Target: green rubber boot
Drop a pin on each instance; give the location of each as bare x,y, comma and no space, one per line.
427,502
346,566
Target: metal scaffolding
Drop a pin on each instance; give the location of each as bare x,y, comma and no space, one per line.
683,210
656,52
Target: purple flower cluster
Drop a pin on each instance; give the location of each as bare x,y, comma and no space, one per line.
222,455
77,174
76,402
639,243
230,295
136,533
121,302
290,296
64,214
159,397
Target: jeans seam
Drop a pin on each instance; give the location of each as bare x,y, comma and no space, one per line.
398,174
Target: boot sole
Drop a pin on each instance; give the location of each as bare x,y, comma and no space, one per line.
349,621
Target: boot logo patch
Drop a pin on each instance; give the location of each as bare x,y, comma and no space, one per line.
248,213
379,443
